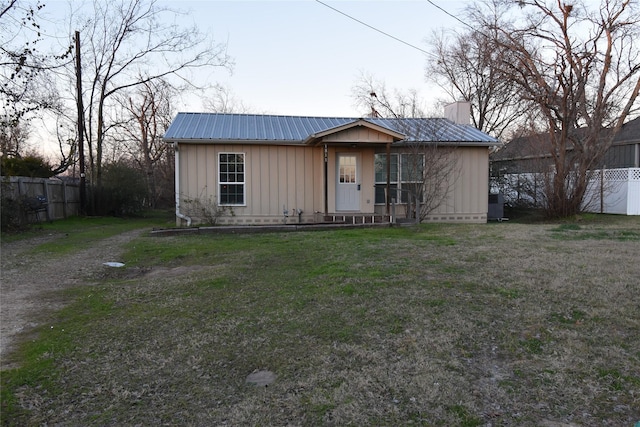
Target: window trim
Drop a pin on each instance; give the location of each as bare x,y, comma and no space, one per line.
243,183
400,181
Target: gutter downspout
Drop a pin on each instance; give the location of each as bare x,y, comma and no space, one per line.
177,184
388,186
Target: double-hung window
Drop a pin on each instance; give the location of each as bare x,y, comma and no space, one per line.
406,178
231,183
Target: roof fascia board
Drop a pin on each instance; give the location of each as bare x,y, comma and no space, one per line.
447,143
356,123
233,141
527,157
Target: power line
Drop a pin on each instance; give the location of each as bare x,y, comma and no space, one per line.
449,13
376,29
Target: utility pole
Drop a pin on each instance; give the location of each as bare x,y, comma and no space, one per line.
80,107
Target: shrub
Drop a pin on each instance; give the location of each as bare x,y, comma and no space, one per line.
13,217
123,191
204,209
32,166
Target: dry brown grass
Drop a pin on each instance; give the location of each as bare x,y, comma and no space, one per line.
497,324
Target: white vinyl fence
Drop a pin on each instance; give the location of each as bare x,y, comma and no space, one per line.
611,191
614,191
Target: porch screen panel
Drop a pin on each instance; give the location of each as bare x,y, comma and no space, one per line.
231,167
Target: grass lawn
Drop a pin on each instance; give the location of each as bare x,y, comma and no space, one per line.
466,325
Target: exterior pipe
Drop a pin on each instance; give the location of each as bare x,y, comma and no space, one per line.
177,180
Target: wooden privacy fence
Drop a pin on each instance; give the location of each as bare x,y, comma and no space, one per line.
61,199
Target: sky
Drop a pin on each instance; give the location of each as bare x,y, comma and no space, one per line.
301,57
304,58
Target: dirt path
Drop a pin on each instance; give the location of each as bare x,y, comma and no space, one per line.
27,280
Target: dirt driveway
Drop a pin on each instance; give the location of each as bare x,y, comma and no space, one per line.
27,281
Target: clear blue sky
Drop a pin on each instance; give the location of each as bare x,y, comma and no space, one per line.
303,58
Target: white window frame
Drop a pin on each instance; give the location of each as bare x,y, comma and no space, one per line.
243,182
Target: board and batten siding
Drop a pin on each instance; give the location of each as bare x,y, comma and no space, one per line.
358,134
276,178
468,198
292,177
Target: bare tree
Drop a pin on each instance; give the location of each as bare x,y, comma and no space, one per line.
25,83
467,67
581,69
20,61
126,39
13,139
224,101
427,167
148,113
372,96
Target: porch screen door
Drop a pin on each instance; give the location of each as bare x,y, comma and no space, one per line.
347,191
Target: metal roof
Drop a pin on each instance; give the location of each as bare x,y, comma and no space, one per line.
434,129
210,127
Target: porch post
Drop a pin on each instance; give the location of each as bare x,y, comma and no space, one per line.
326,180
388,192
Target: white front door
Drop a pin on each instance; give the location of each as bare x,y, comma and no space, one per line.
347,183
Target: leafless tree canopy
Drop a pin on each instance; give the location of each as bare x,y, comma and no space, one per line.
124,41
466,67
375,100
146,114
25,69
581,69
223,100
13,140
426,168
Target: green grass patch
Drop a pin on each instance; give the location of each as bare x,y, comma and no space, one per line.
583,234
509,293
40,356
464,416
572,317
599,227
567,227
532,345
72,234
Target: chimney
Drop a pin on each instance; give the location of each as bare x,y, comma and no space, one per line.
459,112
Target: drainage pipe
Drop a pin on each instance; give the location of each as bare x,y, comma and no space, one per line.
177,183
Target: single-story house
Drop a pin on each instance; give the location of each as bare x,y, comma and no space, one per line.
520,168
530,154
266,169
